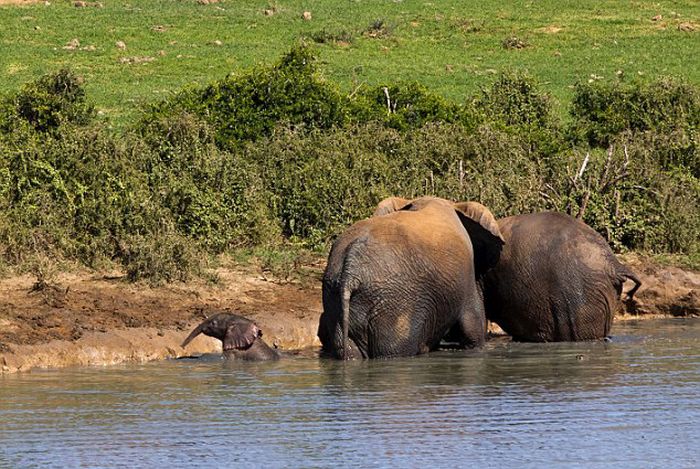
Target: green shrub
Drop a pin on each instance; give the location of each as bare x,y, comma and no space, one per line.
277,156
603,111
514,100
160,257
215,197
52,101
248,107
515,103
405,106
66,193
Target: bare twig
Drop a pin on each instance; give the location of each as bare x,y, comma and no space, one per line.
388,99
583,167
584,204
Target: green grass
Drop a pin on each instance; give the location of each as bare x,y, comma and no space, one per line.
453,46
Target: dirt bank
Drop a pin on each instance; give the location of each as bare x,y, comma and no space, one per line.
96,319
90,319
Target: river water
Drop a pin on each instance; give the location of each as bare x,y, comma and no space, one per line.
632,402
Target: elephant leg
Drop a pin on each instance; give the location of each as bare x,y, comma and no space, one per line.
472,325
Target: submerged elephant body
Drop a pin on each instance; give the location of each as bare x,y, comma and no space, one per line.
241,338
395,283
556,280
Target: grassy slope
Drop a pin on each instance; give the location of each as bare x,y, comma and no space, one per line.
452,46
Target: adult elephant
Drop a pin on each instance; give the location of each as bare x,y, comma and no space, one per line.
556,280
396,282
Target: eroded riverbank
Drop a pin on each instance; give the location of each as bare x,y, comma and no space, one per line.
91,319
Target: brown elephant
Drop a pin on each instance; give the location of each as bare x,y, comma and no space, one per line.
556,280
241,338
396,282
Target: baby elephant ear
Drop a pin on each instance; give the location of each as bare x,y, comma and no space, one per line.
484,232
390,205
240,335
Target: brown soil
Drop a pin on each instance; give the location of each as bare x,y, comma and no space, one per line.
18,2
53,324
88,319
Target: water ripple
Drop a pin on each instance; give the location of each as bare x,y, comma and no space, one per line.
629,403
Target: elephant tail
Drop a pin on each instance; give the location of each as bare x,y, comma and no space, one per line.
349,282
626,274
345,305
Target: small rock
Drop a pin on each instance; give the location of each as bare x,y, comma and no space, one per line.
121,45
82,4
217,43
306,15
135,60
268,12
72,44
161,53
686,27
657,18
37,28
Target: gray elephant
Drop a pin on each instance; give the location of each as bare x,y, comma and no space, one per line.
241,337
556,280
395,283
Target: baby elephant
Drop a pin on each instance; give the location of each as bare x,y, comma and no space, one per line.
241,337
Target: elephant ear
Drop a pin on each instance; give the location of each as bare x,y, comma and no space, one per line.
241,335
390,205
484,233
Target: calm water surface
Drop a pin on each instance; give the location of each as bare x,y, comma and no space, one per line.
632,402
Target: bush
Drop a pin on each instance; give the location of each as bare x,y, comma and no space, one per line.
323,181
52,101
65,193
160,257
406,106
514,100
248,107
515,103
214,197
278,155
602,111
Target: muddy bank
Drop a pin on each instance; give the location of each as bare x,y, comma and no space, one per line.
101,320
90,319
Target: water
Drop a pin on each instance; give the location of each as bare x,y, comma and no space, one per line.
632,402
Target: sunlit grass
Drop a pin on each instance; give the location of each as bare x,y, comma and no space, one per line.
453,47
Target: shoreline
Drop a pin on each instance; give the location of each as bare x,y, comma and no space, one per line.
87,319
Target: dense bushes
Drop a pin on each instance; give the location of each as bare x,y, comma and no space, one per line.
52,101
247,107
602,111
280,155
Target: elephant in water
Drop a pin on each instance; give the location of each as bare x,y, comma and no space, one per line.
396,282
556,280
241,337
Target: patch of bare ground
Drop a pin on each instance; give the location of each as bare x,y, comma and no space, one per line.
666,290
89,319
18,2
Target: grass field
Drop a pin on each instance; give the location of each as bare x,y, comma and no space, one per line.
451,46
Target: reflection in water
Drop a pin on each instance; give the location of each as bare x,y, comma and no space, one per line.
632,402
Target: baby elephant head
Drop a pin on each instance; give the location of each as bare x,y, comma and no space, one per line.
236,332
